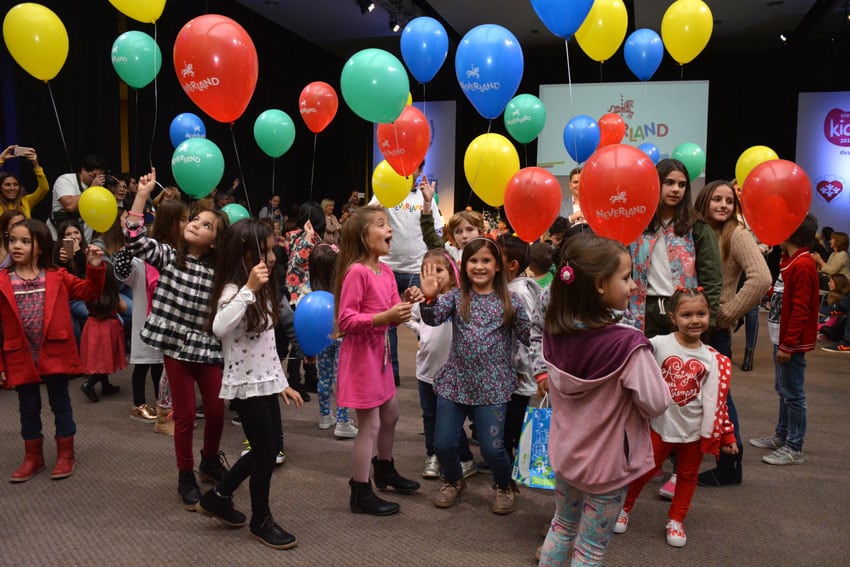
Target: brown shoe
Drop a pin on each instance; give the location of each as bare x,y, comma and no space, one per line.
449,493
504,499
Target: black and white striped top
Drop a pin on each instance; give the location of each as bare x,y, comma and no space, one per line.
180,305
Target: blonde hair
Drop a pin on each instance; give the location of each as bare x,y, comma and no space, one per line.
472,217
326,202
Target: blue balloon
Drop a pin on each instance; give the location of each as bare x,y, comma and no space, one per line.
424,47
562,17
185,126
651,150
644,51
314,322
581,136
489,65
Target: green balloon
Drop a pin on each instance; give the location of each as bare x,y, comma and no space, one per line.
525,116
692,156
235,212
136,58
197,166
274,132
375,85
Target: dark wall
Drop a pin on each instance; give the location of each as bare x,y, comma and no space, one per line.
752,100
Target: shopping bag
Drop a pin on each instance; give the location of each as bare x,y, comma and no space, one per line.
531,464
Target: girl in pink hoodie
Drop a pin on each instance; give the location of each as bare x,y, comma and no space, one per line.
604,386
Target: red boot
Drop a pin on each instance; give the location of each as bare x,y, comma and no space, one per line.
64,458
33,460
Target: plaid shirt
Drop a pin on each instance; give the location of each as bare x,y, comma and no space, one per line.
180,305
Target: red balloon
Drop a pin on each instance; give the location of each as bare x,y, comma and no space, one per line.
216,64
619,192
776,197
611,129
532,202
405,142
318,104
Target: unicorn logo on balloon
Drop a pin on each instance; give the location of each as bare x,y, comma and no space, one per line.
188,71
619,197
474,72
385,144
626,108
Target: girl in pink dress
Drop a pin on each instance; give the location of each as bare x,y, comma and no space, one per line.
367,305
102,343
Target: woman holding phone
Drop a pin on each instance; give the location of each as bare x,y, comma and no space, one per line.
12,192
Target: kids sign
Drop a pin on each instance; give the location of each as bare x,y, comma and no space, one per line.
489,65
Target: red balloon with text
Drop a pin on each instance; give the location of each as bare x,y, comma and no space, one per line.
619,192
776,197
612,128
532,202
318,104
405,142
216,64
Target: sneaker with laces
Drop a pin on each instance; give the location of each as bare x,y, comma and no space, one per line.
247,448
837,347
326,421
236,420
676,534
468,468
449,493
504,500
773,442
221,508
784,456
668,489
280,458
142,413
345,430
432,467
622,523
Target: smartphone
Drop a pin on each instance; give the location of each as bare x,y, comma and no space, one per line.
68,245
22,150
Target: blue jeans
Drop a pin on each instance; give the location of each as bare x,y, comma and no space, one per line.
428,403
29,404
490,423
79,314
751,326
402,281
722,341
788,380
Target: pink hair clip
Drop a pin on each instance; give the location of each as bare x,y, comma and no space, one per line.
567,274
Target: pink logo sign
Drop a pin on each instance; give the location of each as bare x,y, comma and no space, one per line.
836,127
828,188
682,378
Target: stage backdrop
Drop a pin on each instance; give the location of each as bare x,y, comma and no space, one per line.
823,151
440,159
664,113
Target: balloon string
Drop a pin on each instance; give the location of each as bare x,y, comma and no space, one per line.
478,166
525,154
601,80
569,75
155,106
239,165
312,168
274,167
397,145
135,163
59,123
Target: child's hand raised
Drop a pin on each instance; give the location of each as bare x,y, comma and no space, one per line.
428,282
94,256
258,277
147,183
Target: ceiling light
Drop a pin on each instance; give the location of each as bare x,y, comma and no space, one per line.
366,6
783,38
394,25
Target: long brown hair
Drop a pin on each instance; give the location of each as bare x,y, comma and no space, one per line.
684,215
724,231
352,247
500,283
166,225
16,202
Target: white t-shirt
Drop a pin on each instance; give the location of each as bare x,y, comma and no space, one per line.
67,185
408,248
435,344
659,279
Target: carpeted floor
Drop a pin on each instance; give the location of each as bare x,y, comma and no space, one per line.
121,506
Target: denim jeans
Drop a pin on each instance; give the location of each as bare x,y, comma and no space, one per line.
402,281
29,404
79,314
751,326
428,403
722,341
788,380
490,424
327,363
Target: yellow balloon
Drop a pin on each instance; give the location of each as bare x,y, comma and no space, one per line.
409,99
145,11
604,29
686,28
489,163
37,39
389,187
98,208
749,159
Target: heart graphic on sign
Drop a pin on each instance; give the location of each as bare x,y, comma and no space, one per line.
829,189
683,378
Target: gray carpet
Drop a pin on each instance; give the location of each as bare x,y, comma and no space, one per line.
121,507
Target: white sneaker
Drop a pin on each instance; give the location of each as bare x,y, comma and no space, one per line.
280,458
247,448
468,468
326,421
668,489
676,534
622,523
345,429
432,467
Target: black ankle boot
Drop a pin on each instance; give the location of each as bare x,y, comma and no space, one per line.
364,501
747,365
727,472
273,535
212,469
385,474
220,507
88,389
188,490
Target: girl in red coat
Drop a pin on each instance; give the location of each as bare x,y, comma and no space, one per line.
38,339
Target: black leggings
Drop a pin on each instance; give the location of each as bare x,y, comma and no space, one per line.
139,373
